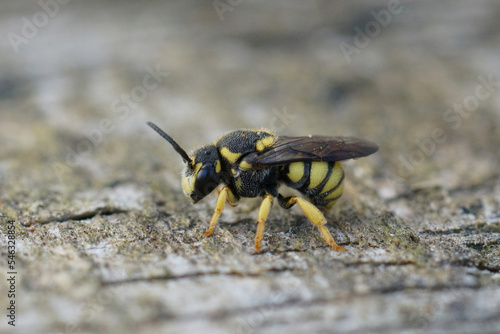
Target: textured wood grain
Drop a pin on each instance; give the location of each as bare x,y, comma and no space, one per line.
106,241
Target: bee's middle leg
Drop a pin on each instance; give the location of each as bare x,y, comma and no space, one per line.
265,206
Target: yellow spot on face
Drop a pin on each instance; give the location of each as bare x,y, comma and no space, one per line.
234,171
245,165
188,181
197,168
188,184
230,156
264,143
217,166
296,171
318,173
334,178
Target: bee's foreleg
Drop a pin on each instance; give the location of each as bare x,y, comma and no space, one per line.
265,206
225,194
231,199
313,214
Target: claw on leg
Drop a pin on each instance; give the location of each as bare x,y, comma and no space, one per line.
224,195
265,206
316,217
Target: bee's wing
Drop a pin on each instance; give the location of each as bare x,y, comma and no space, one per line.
286,150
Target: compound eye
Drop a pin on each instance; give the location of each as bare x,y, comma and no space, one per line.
206,181
206,173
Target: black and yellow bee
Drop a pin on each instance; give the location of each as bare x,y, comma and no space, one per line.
252,163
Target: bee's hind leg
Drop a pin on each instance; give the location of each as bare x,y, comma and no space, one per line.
313,214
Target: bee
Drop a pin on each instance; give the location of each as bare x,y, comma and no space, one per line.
253,163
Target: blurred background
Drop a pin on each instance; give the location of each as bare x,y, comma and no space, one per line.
78,81
388,72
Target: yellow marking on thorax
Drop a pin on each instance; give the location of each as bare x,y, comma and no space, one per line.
245,165
230,156
334,178
295,171
217,166
318,173
265,143
239,183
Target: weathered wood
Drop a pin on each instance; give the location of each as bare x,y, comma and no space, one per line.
105,239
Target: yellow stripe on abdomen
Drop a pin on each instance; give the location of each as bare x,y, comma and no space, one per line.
319,170
295,171
336,193
335,183
334,178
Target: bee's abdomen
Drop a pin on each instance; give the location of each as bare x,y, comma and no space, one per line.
321,181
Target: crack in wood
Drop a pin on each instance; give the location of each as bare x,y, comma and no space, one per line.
488,184
194,275
378,263
106,210
479,227
270,306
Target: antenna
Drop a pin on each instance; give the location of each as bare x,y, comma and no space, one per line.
172,142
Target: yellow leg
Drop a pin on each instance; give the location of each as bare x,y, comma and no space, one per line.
265,206
231,199
224,194
317,218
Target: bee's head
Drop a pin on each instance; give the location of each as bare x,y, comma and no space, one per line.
202,175
202,172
